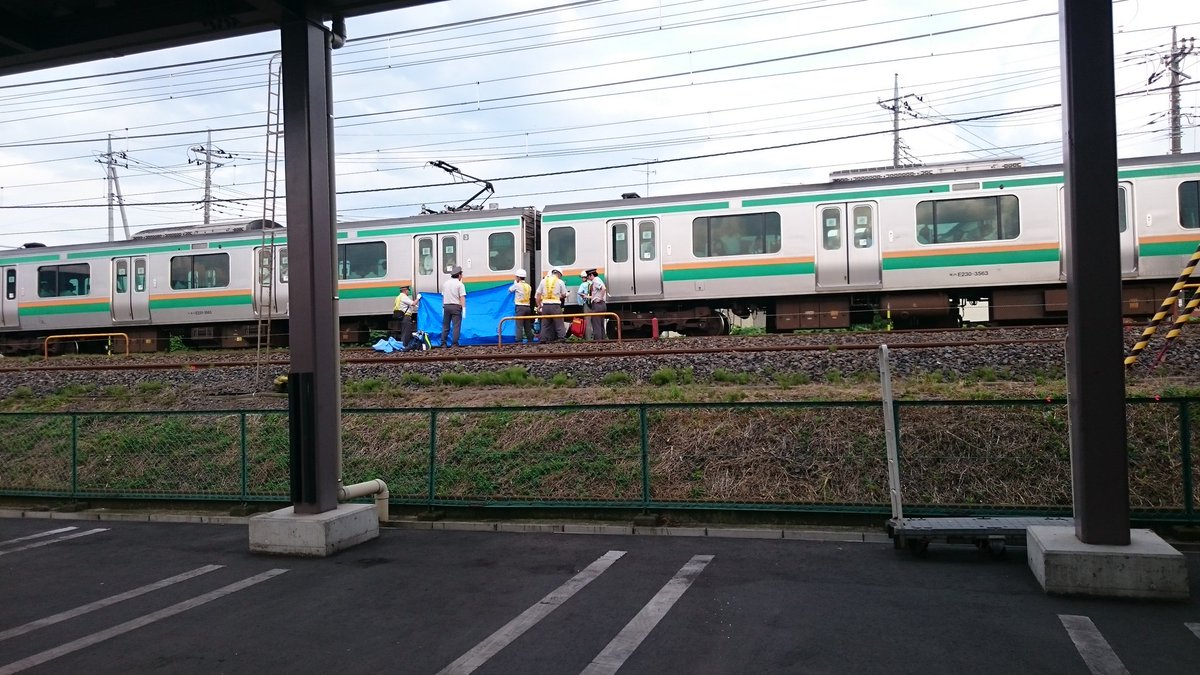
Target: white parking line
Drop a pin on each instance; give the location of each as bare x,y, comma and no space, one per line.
1194,627
512,630
1099,657
612,657
112,600
120,629
55,540
39,535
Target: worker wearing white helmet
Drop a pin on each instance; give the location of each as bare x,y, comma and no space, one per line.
551,293
522,293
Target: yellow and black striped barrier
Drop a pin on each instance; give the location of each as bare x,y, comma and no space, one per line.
1167,305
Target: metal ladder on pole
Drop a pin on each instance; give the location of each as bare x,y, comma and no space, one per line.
264,292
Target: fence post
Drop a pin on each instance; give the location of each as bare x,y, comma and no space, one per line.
1185,452
432,455
645,432
245,470
74,456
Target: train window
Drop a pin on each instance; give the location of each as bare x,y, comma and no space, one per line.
973,219
139,275
449,254
58,280
10,284
283,265
425,256
561,242
121,280
501,251
367,260
864,229
747,234
210,270
620,242
264,266
647,247
831,229
1189,204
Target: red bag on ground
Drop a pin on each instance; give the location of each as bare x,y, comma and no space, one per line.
576,327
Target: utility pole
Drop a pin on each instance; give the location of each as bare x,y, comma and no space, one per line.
897,104
109,160
647,170
209,152
1178,52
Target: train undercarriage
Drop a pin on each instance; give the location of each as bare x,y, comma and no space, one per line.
918,309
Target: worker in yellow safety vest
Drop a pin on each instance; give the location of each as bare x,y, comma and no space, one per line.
551,293
522,292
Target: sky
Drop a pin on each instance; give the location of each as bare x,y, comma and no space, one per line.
562,102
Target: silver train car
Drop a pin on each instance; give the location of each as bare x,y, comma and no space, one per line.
212,288
912,248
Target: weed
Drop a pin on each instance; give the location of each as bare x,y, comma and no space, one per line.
788,380
747,330
562,380
985,374
833,376
416,379
22,392
116,391
367,386
664,376
726,376
176,344
150,387
459,379
618,377
735,396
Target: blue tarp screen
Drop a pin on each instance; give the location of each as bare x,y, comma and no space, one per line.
485,308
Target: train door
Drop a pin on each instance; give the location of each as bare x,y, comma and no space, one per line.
1125,225
8,299
270,293
130,295
429,251
847,245
634,264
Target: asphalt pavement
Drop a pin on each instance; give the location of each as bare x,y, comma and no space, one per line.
132,597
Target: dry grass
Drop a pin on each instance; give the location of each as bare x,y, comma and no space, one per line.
831,454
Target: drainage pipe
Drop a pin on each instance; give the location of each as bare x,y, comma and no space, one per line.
372,487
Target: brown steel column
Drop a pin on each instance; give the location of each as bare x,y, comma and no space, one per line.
314,388
1095,374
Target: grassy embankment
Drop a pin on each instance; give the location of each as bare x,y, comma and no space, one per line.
830,451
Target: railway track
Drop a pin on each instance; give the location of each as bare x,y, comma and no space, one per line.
645,348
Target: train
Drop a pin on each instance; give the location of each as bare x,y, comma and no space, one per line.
909,245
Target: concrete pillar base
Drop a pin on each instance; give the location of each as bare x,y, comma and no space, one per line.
283,532
1148,568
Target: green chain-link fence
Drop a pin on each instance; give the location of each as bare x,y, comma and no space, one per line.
964,457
